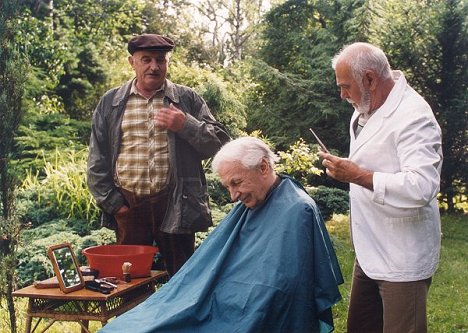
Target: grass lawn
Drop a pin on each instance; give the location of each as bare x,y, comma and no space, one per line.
448,297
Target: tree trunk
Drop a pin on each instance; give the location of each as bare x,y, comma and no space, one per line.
10,302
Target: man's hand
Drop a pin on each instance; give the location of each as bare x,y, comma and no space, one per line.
122,210
346,171
170,118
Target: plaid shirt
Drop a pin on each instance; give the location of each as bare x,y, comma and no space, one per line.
143,161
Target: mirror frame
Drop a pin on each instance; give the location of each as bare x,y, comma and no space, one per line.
59,270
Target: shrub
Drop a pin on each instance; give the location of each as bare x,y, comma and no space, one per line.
35,208
218,213
33,262
64,186
298,161
218,193
37,141
330,200
224,98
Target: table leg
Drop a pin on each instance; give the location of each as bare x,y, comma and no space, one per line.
28,324
36,326
84,326
29,317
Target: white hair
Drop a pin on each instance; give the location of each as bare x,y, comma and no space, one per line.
249,151
361,57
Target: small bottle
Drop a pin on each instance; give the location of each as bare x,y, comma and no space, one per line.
126,267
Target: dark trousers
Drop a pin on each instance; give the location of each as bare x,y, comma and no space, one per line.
378,306
141,226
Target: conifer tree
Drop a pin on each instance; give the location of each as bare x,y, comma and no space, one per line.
12,77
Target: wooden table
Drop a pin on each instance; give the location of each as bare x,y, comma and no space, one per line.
84,305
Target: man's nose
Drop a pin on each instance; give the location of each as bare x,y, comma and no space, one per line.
344,93
234,195
154,64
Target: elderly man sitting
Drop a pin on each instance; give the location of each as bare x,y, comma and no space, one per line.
268,267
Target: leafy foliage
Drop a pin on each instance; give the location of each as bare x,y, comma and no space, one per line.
218,193
295,84
64,186
427,41
452,98
33,262
220,95
72,41
33,210
38,140
330,201
298,161
82,83
287,105
13,65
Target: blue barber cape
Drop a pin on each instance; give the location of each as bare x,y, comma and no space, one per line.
268,269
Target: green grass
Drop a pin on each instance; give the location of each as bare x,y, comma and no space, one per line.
448,297
447,308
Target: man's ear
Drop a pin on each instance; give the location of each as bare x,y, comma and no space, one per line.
264,166
131,60
370,80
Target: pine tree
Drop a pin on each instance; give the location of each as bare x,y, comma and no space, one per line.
12,78
451,93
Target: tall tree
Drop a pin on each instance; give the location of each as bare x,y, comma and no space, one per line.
232,26
176,19
452,98
243,20
70,44
12,71
427,41
297,88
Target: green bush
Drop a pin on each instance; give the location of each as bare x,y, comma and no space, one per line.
35,208
298,161
33,262
41,135
64,186
224,98
330,200
218,213
218,193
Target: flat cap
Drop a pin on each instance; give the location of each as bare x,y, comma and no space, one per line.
150,42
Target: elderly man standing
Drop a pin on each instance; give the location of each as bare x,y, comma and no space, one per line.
148,139
269,266
394,170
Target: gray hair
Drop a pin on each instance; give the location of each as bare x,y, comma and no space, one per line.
361,57
249,151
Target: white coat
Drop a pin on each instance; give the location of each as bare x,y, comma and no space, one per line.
396,227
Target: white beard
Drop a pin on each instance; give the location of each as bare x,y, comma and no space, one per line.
364,106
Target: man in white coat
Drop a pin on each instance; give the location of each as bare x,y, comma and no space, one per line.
394,170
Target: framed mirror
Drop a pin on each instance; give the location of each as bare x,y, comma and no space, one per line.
66,267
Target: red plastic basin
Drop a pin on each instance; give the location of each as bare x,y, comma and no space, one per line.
108,259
